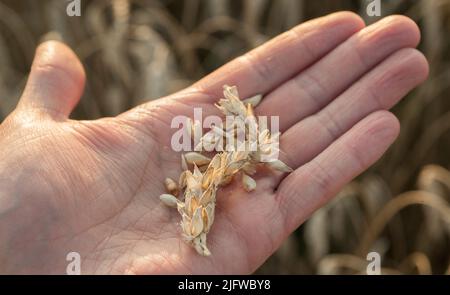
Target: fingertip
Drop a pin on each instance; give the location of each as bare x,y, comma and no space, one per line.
416,64
344,21
349,17
422,65
404,26
401,72
56,80
55,55
383,126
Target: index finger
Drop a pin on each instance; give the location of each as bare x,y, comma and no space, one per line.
267,66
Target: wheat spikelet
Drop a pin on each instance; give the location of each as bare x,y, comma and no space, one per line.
199,187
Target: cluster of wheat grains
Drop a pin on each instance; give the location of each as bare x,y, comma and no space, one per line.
247,145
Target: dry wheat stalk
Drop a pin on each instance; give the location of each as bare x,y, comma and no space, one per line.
199,186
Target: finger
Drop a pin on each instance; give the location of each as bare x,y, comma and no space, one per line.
313,184
56,81
279,59
380,89
314,88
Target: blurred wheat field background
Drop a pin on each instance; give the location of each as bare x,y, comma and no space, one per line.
138,50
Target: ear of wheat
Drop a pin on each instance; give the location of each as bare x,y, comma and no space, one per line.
198,188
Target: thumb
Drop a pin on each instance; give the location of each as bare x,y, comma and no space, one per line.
56,81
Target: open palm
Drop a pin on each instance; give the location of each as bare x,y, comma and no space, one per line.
93,187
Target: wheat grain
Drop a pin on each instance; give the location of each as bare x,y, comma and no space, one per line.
169,200
248,183
171,186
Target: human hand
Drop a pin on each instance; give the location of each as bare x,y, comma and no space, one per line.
93,186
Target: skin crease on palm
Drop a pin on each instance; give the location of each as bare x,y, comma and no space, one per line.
93,186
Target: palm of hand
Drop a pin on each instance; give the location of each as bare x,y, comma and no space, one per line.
110,172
